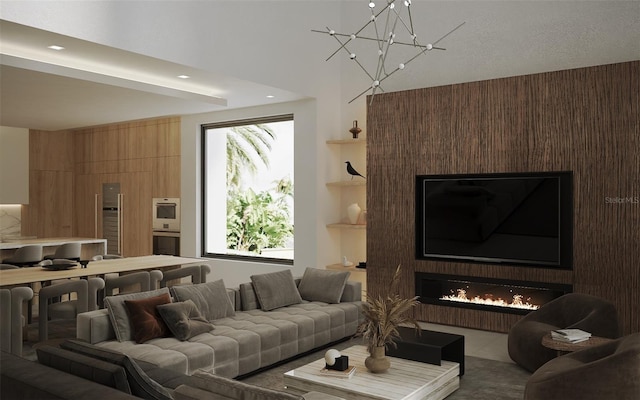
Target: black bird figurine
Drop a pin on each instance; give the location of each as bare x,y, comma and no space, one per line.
352,171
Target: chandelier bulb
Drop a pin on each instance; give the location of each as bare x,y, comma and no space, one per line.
375,84
353,36
392,6
332,32
407,3
373,17
372,4
429,46
352,56
401,66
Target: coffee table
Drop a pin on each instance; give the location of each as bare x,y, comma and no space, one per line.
405,380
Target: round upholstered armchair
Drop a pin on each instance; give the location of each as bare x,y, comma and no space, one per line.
608,371
573,310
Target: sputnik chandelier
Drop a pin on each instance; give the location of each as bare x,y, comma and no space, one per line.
389,31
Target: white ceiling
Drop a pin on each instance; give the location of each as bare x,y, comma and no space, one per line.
87,84
90,84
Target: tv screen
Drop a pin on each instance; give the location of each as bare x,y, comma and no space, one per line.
507,218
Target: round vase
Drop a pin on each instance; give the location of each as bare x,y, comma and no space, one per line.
377,362
353,212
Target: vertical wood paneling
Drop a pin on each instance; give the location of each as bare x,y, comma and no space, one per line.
584,120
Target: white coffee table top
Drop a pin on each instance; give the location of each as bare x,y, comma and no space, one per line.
405,380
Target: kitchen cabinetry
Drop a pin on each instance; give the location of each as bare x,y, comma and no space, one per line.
135,219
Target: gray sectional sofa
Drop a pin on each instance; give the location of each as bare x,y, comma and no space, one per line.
268,320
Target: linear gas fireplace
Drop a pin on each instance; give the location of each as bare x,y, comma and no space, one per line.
507,296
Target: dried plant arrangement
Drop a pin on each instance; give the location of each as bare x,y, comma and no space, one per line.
383,314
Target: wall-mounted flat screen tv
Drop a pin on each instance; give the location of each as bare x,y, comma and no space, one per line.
510,218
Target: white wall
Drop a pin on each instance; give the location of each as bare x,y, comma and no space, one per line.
308,232
14,165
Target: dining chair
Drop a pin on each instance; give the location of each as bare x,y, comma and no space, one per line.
26,256
86,300
69,251
197,273
11,318
101,257
142,281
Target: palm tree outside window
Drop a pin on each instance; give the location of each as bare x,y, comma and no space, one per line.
248,189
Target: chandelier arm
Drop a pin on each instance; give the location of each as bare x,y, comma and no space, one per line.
449,33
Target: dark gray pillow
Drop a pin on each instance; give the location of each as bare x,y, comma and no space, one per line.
141,385
119,314
276,289
323,285
211,298
183,319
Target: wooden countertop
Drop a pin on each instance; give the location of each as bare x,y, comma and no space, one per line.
38,274
8,244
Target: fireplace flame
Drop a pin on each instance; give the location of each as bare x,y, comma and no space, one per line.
516,302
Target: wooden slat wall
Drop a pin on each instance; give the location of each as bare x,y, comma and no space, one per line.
585,120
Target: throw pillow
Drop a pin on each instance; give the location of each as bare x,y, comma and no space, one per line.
184,320
237,390
210,298
323,285
119,314
276,289
141,385
144,317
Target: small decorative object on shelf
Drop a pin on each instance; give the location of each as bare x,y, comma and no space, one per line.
355,130
352,171
353,212
345,262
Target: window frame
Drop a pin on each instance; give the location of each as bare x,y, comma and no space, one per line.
203,187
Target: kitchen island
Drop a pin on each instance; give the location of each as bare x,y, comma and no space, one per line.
89,246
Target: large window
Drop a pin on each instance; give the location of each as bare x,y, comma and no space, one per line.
248,189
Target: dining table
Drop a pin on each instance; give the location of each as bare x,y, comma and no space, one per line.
31,275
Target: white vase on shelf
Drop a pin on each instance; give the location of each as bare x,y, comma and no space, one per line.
353,212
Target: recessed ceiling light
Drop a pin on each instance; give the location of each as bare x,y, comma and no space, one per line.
184,76
56,47
270,96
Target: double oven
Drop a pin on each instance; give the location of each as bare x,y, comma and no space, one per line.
166,226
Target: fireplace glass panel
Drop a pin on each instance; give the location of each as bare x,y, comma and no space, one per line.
518,297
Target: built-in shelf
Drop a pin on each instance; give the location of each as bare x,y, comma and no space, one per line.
355,182
347,226
347,141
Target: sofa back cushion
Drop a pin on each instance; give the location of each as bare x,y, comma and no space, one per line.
323,285
248,298
141,385
276,289
97,371
211,298
119,314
